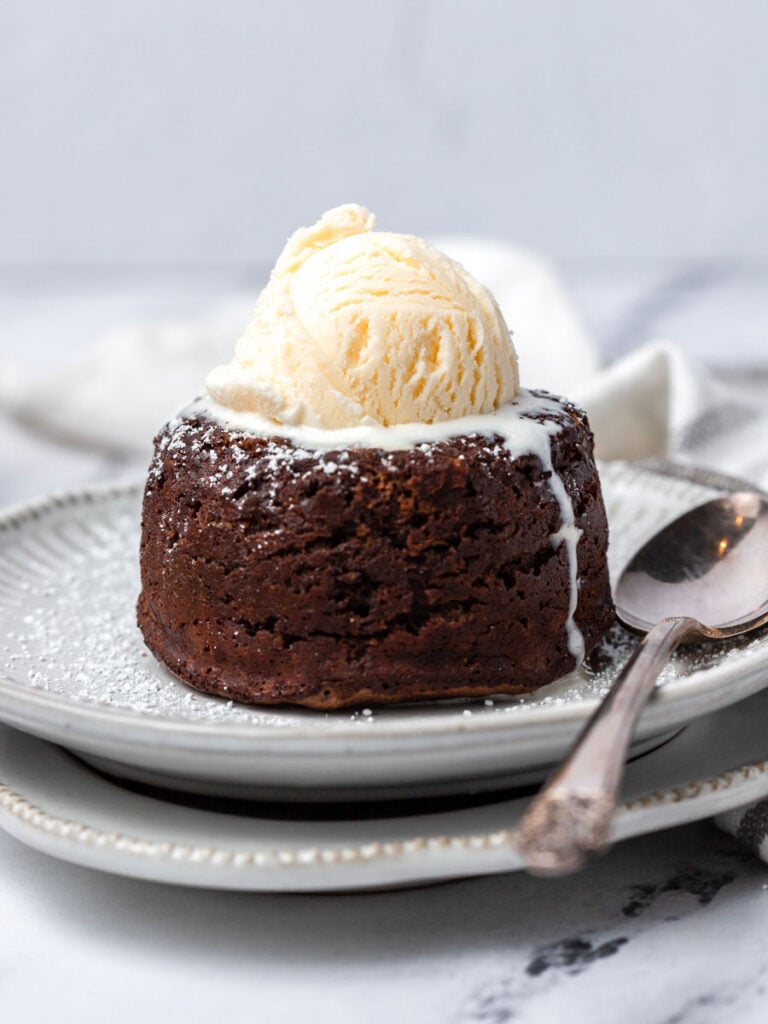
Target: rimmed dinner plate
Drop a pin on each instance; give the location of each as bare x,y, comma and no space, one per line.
56,804
74,670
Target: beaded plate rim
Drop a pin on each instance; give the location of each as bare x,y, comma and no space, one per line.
18,806
417,858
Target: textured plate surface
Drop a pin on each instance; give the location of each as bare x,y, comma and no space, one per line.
74,669
58,805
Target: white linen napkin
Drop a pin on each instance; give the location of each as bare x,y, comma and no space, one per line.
660,402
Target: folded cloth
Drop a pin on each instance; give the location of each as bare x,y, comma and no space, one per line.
749,825
115,397
660,402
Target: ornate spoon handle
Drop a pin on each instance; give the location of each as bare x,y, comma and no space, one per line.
570,818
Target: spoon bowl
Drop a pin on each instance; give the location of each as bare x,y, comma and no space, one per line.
710,564
702,577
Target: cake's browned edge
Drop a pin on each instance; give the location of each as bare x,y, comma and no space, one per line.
271,574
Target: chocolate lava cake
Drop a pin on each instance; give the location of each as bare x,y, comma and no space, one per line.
272,573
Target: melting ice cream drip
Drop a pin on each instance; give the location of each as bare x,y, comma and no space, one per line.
568,534
536,439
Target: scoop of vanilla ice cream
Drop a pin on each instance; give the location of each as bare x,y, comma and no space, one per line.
362,326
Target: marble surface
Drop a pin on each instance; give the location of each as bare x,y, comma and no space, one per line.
663,930
666,929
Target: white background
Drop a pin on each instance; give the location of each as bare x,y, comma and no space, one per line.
201,132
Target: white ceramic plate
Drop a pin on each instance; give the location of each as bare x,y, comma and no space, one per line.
59,805
75,670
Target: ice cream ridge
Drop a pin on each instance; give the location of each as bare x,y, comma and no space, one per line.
362,326
366,507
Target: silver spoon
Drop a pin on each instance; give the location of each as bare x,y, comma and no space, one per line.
703,577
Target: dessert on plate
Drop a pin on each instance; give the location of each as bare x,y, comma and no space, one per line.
366,507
